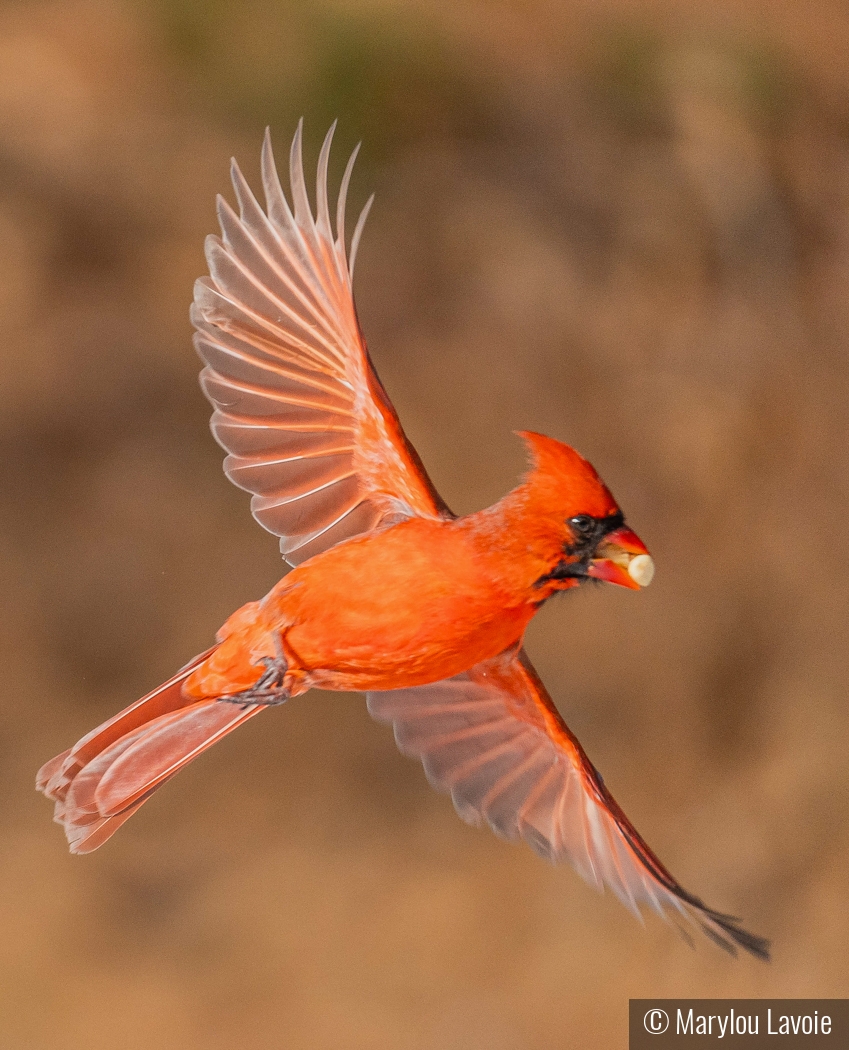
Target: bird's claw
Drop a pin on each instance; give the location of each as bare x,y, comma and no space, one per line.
269,690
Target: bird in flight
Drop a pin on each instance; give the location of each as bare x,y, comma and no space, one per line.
390,593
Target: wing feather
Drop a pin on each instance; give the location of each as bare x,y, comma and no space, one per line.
357,519
493,739
298,407
340,207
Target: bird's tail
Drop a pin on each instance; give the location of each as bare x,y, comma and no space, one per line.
101,781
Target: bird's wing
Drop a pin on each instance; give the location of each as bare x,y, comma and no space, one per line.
494,740
307,425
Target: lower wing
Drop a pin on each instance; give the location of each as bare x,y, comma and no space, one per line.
494,740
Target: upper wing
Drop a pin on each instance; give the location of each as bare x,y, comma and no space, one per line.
298,405
493,738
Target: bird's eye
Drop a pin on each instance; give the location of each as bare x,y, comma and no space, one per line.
582,525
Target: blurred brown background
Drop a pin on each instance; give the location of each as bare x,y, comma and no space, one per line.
621,224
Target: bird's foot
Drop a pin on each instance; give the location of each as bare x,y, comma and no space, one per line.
269,690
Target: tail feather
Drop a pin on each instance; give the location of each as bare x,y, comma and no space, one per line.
49,772
106,776
55,777
161,750
85,838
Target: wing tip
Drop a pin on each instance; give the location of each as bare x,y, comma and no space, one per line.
733,936
724,930
358,232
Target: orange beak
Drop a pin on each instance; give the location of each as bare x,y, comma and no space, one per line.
622,558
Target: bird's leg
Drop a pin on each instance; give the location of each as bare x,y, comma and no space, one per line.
270,688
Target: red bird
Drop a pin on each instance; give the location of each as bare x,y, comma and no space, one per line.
390,592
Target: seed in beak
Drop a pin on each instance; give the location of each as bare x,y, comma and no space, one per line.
641,569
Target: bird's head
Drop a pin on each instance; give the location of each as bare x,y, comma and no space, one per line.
578,529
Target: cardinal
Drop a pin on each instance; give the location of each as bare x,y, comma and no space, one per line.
390,592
